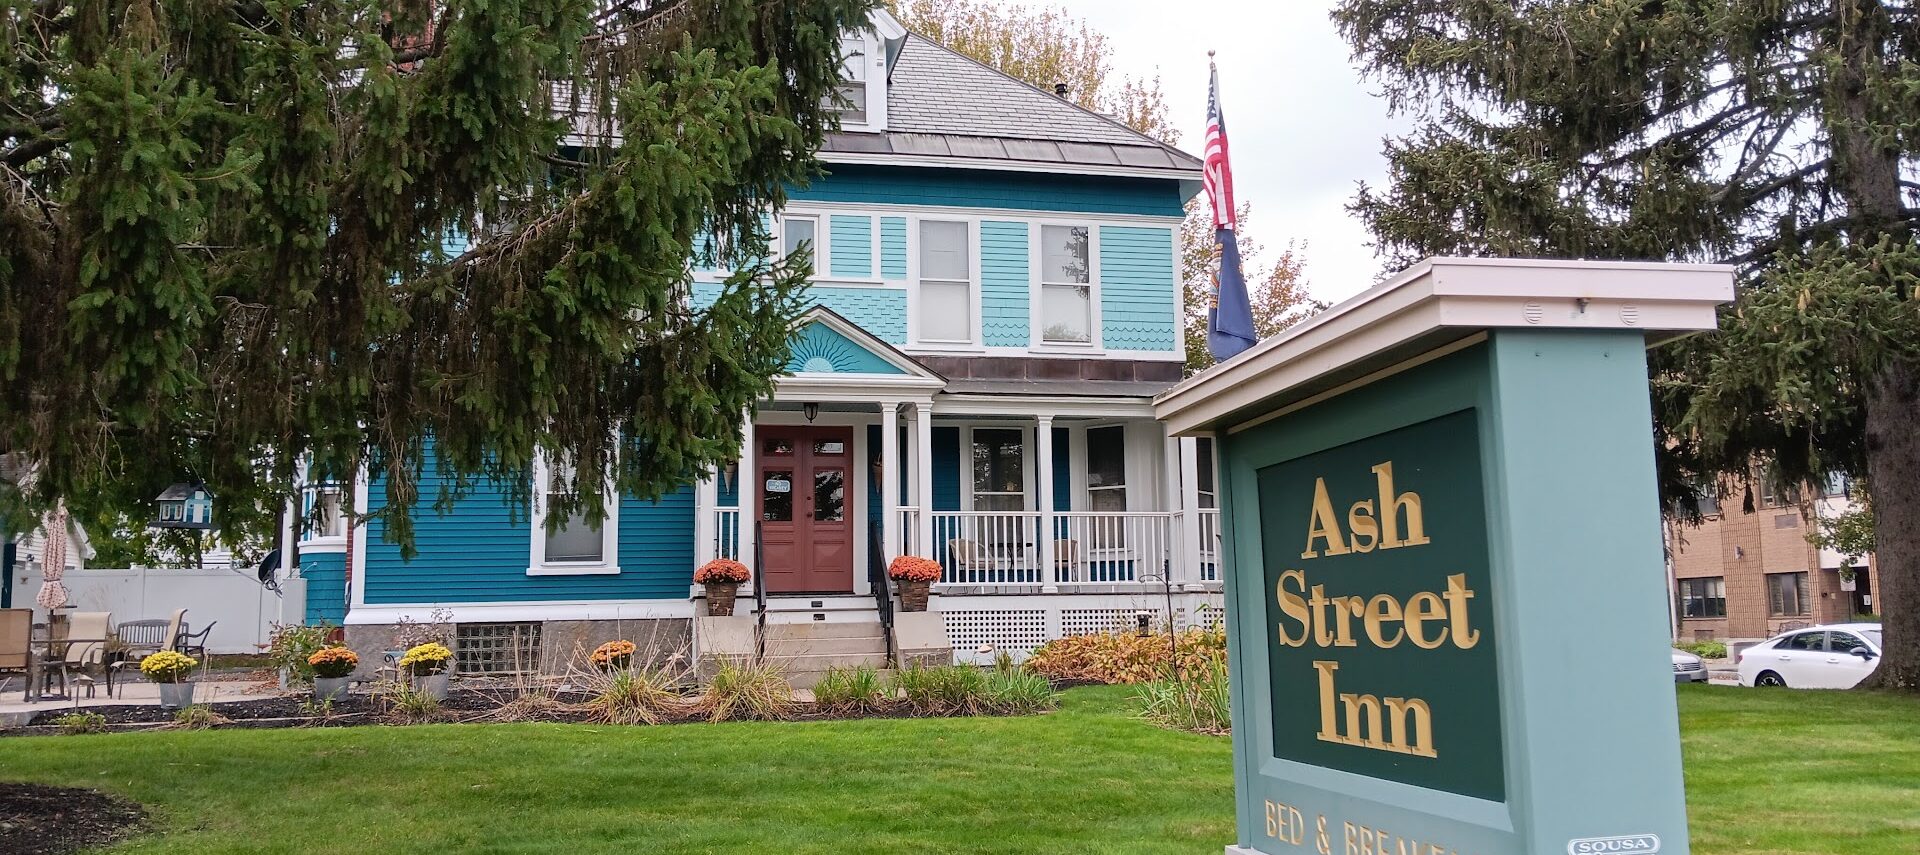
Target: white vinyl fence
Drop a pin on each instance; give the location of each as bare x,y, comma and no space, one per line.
244,610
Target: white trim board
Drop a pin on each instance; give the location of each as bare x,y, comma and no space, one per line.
513,612
1444,299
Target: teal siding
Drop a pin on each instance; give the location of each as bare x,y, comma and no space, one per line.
946,468
881,311
1005,285
478,552
1136,288
1026,191
1062,470
850,241
819,350
893,247
326,575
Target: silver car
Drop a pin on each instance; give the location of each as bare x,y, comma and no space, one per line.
1688,668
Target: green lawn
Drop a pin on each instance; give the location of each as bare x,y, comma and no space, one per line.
1768,772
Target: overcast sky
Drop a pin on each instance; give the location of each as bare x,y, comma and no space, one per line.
1303,125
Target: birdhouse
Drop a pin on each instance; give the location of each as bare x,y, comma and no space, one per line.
186,505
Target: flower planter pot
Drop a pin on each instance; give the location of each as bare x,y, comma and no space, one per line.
330,688
432,685
175,696
720,598
913,595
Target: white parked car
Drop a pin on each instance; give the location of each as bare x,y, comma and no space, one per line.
1834,656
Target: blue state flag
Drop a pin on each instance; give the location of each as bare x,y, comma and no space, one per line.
1230,321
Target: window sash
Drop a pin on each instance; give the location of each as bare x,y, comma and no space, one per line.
946,311
1787,594
794,231
1703,598
1066,314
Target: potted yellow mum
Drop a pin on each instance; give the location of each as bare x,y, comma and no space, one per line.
169,670
426,665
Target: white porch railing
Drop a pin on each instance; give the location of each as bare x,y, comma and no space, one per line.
726,533
1209,552
1084,547
910,531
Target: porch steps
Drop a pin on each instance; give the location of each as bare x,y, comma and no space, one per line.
805,651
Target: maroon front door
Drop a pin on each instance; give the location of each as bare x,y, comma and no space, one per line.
806,508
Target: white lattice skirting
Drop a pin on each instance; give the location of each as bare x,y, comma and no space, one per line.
981,626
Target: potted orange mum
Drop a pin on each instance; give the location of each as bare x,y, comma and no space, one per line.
722,578
914,575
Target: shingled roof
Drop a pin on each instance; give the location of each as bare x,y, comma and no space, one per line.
945,105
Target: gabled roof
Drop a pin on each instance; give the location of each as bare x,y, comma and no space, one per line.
873,351
947,108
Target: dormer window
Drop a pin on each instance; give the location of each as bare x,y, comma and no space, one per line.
853,81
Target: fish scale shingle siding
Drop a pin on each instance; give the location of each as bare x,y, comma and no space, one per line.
1137,302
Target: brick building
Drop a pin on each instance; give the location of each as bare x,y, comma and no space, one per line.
1740,575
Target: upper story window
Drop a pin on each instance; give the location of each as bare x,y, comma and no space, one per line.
798,232
328,518
853,81
576,545
945,299
1066,290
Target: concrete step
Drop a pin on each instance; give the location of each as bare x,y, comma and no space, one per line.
806,670
875,645
824,629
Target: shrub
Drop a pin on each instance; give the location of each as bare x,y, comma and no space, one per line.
1127,658
747,690
437,629
406,706
291,645
851,690
168,666
943,690
333,662
1014,692
425,659
76,723
913,568
721,571
198,717
1706,649
1199,702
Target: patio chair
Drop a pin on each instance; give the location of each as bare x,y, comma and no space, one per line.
970,560
175,625
82,655
194,644
1066,556
16,645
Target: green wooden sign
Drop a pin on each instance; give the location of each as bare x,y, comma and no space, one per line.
1382,609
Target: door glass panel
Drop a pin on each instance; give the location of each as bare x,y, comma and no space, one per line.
998,464
829,446
776,497
776,445
830,495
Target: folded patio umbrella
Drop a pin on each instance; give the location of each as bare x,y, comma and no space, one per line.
53,562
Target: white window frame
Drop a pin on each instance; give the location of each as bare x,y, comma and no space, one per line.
316,494
873,59
1125,486
915,334
820,225
1028,473
537,563
1038,295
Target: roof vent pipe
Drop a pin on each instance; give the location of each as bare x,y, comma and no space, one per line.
1060,89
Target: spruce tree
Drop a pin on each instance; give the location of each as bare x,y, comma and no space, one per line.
393,234
1779,135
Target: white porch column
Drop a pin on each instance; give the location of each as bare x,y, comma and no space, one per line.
890,479
923,475
1190,545
706,497
749,497
1043,539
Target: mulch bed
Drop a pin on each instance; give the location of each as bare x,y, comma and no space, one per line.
461,705
37,820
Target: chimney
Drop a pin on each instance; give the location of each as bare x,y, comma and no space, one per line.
1060,89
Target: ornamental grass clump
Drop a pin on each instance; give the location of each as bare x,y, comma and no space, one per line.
198,717
332,663
79,723
1197,702
168,666
407,705
1011,691
852,691
642,695
943,690
747,690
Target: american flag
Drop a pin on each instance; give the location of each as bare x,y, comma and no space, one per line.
1218,175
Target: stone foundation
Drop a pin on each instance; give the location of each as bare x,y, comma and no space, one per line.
562,642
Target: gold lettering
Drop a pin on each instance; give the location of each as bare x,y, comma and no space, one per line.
1362,731
1293,606
1322,628
1345,609
1352,849
1273,828
1360,519
1391,504
1382,611
1329,729
1399,711
1423,607
1457,596
1324,525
